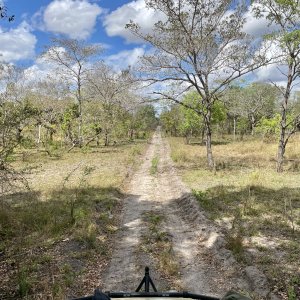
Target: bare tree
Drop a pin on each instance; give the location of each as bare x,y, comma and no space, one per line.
286,16
74,60
112,90
200,45
49,97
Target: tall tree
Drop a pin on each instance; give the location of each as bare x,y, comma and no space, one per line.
233,99
73,58
286,15
200,45
259,100
112,90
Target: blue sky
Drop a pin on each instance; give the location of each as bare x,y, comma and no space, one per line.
94,21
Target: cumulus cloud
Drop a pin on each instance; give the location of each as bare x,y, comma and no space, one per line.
74,18
40,70
125,58
137,11
17,44
257,27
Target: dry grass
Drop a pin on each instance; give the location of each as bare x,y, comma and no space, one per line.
57,237
259,208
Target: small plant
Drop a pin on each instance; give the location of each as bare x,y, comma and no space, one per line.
293,287
68,275
23,283
83,183
154,165
235,237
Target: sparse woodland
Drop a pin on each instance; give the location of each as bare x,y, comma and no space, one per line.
70,142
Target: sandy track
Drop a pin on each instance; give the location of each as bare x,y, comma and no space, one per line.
192,236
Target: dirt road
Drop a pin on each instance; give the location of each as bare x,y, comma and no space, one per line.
205,266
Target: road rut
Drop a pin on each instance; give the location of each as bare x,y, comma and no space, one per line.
195,242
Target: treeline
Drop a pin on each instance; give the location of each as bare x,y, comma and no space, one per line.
82,102
241,110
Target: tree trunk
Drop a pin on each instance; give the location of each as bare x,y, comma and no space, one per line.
19,135
234,127
80,125
106,139
131,134
79,98
39,134
202,135
280,153
209,155
51,132
283,139
187,140
252,121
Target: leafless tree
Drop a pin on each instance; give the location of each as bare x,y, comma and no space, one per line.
286,16
74,59
200,45
112,90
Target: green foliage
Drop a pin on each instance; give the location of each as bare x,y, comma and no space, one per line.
171,120
293,287
68,118
187,119
218,112
192,122
269,126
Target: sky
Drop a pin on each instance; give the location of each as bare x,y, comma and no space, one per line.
94,21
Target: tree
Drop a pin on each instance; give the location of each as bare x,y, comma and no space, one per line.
200,45
259,100
145,118
232,99
49,97
112,90
192,123
171,119
73,58
13,116
285,14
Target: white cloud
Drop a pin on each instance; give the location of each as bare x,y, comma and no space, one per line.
257,27
136,11
75,18
16,44
125,58
39,70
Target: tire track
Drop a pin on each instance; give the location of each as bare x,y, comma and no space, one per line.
194,241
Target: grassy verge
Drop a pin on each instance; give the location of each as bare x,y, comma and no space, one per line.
56,238
259,208
158,244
